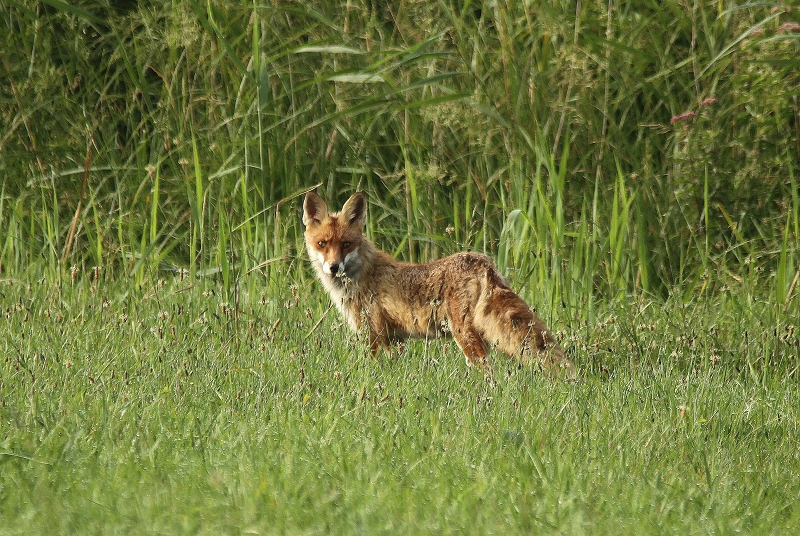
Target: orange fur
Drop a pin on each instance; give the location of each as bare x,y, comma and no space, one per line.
463,295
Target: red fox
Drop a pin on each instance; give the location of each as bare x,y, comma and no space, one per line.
463,295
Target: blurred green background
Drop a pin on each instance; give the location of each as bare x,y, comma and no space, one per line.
593,148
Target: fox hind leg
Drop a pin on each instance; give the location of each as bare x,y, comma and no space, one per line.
472,345
467,337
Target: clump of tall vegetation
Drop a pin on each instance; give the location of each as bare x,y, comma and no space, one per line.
595,148
632,167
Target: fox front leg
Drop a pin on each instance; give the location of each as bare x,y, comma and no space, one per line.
377,340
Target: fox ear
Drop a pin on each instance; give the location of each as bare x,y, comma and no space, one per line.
314,210
354,211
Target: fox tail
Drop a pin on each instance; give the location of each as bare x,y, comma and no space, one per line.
505,321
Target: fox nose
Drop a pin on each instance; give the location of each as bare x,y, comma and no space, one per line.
335,268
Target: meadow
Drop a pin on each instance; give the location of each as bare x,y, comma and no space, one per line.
172,410
169,365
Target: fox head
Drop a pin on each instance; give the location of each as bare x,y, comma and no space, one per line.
333,239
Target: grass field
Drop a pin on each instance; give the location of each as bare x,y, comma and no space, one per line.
170,410
168,364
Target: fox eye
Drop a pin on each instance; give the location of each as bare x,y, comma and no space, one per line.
322,244
346,245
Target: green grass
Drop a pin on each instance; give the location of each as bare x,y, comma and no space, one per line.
167,364
170,409
152,133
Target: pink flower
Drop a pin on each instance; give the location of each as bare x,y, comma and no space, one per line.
709,101
788,27
682,117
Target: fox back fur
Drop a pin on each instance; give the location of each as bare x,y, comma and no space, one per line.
463,295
